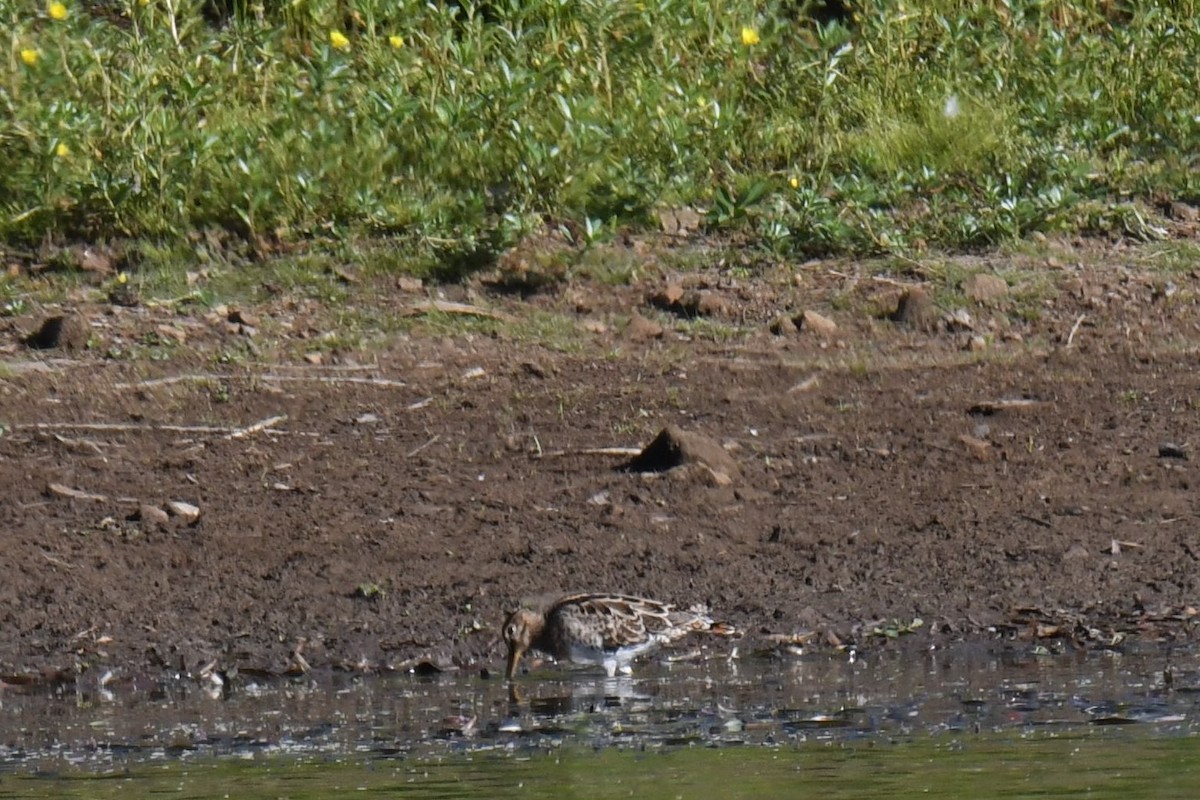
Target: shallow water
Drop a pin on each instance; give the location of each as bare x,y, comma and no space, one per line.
988,720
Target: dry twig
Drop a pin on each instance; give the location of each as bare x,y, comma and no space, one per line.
59,490
269,422
1075,329
419,448
118,427
58,561
591,451
447,307
208,376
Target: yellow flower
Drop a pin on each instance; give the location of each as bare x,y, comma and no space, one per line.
794,182
396,41
30,56
339,40
122,278
61,150
749,36
57,10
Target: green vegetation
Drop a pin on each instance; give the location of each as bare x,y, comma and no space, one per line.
457,127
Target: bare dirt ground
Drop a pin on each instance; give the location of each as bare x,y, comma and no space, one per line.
1011,462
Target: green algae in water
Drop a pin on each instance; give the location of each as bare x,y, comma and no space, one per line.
1093,764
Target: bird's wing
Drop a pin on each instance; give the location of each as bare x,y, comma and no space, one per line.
610,621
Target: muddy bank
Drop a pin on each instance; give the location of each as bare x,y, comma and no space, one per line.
386,506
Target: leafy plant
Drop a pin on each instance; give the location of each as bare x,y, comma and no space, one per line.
458,127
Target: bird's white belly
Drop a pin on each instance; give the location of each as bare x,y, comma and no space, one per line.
611,660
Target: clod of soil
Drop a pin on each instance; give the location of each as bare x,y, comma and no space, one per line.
151,516
809,321
690,303
984,288
1168,450
783,326
675,447
817,323
185,511
641,329
916,310
65,331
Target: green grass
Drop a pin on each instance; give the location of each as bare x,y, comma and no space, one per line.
942,124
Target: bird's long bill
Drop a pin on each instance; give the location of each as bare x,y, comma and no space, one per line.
515,651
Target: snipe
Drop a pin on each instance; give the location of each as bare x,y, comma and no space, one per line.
606,629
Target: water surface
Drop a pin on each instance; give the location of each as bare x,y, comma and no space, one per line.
992,721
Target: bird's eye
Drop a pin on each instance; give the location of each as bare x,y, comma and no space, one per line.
510,632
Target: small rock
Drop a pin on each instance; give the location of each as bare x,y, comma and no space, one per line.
1168,450
984,288
1075,552
91,260
409,284
710,304
669,297
641,329
679,221
316,359
125,295
594,326
783,326
689,303
817,323
580,301
1184,213
916,310
959,320
152,516
239,317
977,344
171,332
533,368
185,511
981,449
1166,291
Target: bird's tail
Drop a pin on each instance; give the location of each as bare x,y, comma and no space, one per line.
698,621
723,629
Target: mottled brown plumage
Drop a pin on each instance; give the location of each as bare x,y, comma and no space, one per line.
607,629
